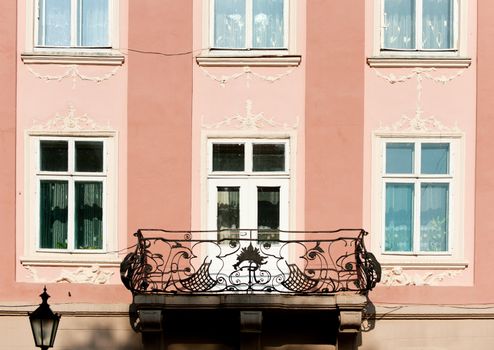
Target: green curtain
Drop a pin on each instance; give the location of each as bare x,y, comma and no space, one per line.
89,215
53,214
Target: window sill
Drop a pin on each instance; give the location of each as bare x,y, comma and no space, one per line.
424,263
421,62
104,260
101,58
242,61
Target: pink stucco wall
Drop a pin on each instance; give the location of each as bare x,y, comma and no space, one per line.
334,114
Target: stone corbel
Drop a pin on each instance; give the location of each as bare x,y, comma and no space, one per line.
150,320
350,321
250,330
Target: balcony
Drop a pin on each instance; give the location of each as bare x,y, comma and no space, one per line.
252,278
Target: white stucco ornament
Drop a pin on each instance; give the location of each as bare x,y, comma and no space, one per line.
85,275
397,276
69,122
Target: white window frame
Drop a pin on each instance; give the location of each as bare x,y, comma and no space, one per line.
32,27
248,181
459,32
34,176
454,257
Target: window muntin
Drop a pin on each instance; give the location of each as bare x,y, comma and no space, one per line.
419,25
249,24
73,23
417,210
71,199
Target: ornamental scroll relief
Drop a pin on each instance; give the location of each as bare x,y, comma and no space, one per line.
85,275
72,71
69,122
250,121
397,276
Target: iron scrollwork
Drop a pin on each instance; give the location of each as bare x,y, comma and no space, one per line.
197,262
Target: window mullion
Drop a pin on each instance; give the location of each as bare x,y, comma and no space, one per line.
248,23
74,9
418,24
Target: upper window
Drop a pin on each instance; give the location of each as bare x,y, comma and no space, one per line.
249,24
418,184
73,23
71,181
419,25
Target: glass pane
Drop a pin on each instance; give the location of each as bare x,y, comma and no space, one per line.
268,212
267,24
437,27
268,157
89,156
89,215
399,24
92,21
435,158
54,155
228,209
399,158
434,223
229,24
399,217
54,24
53,214
228,157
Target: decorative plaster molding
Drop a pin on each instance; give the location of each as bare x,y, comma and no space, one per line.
74,73
249,75
397,276
69,122
85,275
418,124
106,59
250,121
423,62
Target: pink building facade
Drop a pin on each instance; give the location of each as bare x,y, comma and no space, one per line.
284,118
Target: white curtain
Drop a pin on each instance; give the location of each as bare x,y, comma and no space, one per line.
93,23
54,23
399,217
399,24
267,24
229,24
434,223
437,24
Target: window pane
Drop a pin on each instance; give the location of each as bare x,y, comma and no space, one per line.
92,21
268,212
399,217
437,27
53,214
435,158
54,155
54,23
399,158
434,223
399,24
89,156
267,24
268,157
89,215
229,24
228,208
228,157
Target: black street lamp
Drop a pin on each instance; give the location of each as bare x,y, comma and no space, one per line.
44,323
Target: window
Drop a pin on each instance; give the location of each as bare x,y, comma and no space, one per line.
73,23
418,181
419,25
248,186
249,24
71,186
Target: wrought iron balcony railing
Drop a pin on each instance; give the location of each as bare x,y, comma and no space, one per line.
250,261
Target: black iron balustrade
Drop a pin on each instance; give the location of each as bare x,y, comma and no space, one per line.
250,261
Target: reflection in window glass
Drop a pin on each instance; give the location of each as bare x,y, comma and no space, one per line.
53,214
229,24
55,22
435,158
89,156
434,223
399,24
268,212
228,157
268,157
92,19
437,24
54,155
228,212
399,217
400,158
267,24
